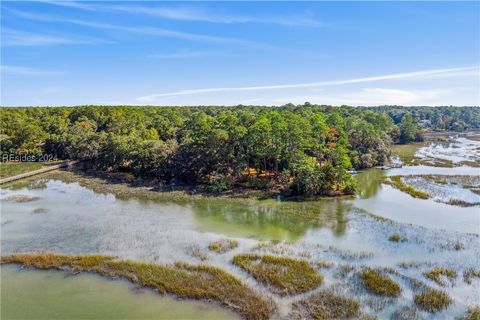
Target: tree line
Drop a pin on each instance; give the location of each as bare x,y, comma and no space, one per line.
302,150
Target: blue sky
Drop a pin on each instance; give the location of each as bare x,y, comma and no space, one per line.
229,53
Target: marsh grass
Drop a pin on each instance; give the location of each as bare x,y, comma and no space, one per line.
282,275
182,279
395,238
324,264
327,305
195,251
437,275
473,314
432,300
405,313
378,283
223,246
396,182
20,198
469,274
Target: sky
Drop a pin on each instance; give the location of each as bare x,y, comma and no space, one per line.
57,53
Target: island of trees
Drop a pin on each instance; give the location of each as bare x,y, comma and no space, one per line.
296,149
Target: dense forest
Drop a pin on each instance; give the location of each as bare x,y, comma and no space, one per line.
300,150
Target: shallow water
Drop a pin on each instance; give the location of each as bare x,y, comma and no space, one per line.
457,150
55,295
76,219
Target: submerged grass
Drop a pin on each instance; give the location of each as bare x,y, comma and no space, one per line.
437,274
183,280
396,182
282,275
328,305
469,274
432,300
222,246
379,284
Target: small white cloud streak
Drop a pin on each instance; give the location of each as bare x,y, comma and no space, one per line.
184,13
24,71
13,38
468,71
182,55
153,31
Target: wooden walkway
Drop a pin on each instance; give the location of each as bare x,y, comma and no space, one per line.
35,172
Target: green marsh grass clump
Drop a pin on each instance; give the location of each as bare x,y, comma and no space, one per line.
457,246
182,279
473,313
282,275
222,246
396,182
395,237
324,264
432,300
437,274
327,305
379,284
469,274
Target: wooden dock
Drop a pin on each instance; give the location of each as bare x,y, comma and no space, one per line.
39,171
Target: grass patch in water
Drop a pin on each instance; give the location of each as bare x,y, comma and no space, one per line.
432,300
437,274
222,246
396,182
405,313
469,274
282,275
183,280
379,284
473,314
396,238
324,264
328,305
20,198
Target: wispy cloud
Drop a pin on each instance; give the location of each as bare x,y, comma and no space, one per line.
192,13
12,38
25,71
451,72
152,31
183,55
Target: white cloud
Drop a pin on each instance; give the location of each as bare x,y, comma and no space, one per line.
452,72
24,71
190,13
152,31
12,38
182,55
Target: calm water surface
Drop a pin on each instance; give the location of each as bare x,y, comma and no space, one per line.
54,295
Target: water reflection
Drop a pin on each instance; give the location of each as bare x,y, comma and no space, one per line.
270,219
369,182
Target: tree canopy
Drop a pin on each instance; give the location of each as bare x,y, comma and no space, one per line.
305,149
